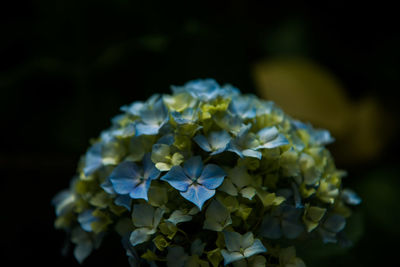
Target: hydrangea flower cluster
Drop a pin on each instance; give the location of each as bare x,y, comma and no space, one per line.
206,177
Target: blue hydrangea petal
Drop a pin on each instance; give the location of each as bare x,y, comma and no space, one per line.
244,130
212,176
126,169
280,140
202,141
335,223
150,170
155,114
230,257
189,115
125,177
233,147
203,89
317,136
147,129
108,187
177,178
350,197
322,137
232,240
93,160
252,153
193,167
229,122
219,140
123,201
256,248
140,190
124,185
198,194
134,108
86,219
243,106
268,133
167,139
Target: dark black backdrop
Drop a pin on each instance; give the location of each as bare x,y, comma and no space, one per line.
67,66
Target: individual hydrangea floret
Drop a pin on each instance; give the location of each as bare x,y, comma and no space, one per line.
153,119
283,220
215,142
206,176
129,179
195,183
240,246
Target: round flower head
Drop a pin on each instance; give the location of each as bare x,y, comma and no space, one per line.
206,176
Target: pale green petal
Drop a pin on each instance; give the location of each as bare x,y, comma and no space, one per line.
256,248
139,236
158,214
160,152
217,217
247,240
239,176
162,166
269,199
179,216
248,192
228,187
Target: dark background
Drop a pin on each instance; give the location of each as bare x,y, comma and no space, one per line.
67,66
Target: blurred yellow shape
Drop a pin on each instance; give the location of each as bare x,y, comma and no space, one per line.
312,94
